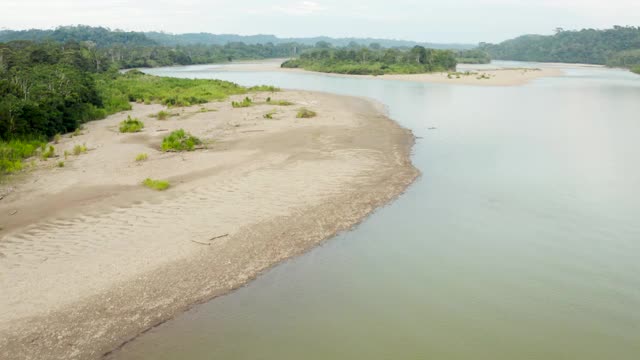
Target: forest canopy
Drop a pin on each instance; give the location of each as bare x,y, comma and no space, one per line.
374,60
614,47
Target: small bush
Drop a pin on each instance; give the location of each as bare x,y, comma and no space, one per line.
305,114
56,138
79,149
162,115
269,115
77,132
142,157
60,163
264,88
242,104
131,125
179,140
50,152
66,154
158,185
279,102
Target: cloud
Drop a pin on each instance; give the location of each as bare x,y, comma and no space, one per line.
300,8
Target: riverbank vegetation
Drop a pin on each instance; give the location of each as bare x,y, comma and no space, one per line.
474,56
374,61
48,89
618,46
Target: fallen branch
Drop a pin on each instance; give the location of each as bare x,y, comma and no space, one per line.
201,243
218,237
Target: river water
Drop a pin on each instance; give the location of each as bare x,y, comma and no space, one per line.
521,240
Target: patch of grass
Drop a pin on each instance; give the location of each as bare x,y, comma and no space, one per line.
162,115
264,88
636,69
60,163
13,152
279,102
66,154
131,125
79,149
77,132
47,153
158,185
269,115
180,140
56,138
246,102
305,113
142,157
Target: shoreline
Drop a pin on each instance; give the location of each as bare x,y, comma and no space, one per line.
493,77
105,259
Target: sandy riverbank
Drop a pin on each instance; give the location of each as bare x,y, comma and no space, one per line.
89,258
489,77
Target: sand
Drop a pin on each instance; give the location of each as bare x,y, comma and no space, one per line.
89,258
489,77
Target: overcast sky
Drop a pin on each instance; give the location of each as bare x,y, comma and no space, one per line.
467,21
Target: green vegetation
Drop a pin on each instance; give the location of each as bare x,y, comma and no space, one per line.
180,140
636,69
158,185
474,56
57,138
265,88
304,113
142,157
279,102
269,115
60,163
13,152
131,125
46,153
162,115
246,102
588,46
135,85
79,149
372,61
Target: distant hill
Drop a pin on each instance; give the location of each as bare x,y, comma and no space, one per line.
102,37
221,39
588,46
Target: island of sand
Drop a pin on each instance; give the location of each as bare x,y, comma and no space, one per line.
485,77
90,258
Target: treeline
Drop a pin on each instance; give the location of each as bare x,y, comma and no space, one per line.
135,49
615,47
222,39
374,60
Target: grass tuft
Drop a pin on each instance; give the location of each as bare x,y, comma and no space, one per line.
131,125
47,153
79,149
242,104
180,140
279,102
305,113
60,163
142,157
158,185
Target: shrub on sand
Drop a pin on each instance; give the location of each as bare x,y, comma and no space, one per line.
305,113
180,140
131,125
158,185
142,157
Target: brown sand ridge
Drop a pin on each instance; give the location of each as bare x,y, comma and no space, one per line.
89,258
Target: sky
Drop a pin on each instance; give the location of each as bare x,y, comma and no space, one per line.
443,21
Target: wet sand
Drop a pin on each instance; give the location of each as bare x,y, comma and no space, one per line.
89,258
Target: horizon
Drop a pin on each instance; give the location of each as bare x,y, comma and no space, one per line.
423,22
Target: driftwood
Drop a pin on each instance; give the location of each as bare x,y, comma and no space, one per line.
209,243
14,212
246,131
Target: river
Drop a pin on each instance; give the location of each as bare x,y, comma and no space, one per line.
521,239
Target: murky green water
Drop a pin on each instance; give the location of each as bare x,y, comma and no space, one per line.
520,241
